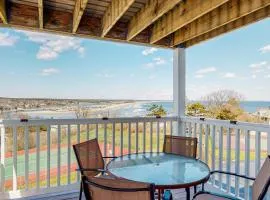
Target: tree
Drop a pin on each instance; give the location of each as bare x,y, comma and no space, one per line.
221,97
226,114
196,109
156,110
223,104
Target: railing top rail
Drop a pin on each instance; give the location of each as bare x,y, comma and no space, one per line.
229,124
36,122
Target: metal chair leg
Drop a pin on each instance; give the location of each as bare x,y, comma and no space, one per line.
188,193
195,189
81,188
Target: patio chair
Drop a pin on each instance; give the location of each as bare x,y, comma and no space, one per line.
112,188
259,188
181,145
90,159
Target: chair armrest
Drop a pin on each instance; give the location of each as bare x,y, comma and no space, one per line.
233,174
215,194
90,169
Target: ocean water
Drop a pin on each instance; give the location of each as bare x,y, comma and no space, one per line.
140,108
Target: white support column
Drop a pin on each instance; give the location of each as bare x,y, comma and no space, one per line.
179,87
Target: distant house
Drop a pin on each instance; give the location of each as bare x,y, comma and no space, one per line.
264,113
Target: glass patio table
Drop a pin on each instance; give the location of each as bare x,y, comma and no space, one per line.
166,171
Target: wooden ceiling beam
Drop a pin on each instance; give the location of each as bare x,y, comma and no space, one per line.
3,14
40,13
80,6
148,15
239,23
221,16
114,12
180,16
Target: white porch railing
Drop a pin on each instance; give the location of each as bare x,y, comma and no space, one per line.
37,154
238,147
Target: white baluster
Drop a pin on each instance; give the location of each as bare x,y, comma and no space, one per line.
26,154
200,141
69,154
129,138
247,161
228,159
14,158
257,152
151,136
213,153
121,142
58,154
48,156
158,136
237,160
144,136
137,138
3,135
206,149
38,157
220,155
113,139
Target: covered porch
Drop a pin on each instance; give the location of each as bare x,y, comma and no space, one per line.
47,169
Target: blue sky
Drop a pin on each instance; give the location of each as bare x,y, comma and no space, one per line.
43,65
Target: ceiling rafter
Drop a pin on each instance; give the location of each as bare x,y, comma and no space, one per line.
40,13
80,6
221,16
148,15
114,12
3,14
181,15
243,21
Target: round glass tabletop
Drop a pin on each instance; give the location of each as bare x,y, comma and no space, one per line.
166,170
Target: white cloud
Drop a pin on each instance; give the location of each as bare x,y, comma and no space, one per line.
49,71
149,51
151,77
258,65
265,49
46,53
159,61
206,70
156,61
149,65
253,76
258,70
229,75
105,75
199,76
51,46
7,40
267,76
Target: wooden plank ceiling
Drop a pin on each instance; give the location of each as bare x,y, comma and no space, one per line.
163,23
